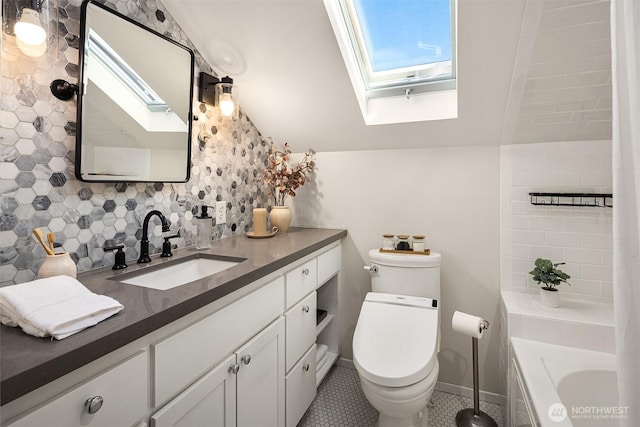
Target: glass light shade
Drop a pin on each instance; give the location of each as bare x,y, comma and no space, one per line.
226,102
28,29
31,50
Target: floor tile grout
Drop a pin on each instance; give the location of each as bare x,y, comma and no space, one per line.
340,402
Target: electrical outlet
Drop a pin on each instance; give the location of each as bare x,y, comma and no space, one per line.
221,213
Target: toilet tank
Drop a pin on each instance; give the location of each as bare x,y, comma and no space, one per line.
405,274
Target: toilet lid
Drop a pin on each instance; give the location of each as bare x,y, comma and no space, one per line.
394,344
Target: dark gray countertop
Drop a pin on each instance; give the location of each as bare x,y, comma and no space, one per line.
27,362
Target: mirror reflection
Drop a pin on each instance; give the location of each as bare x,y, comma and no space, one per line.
134,108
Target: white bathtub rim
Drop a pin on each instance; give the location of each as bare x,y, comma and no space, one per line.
543,365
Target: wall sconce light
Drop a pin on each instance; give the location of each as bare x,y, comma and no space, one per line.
219,93
30,23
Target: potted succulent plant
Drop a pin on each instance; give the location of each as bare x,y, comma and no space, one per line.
546,272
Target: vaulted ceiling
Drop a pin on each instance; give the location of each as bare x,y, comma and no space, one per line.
528,71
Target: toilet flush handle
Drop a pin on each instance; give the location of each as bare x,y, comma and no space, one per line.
371,268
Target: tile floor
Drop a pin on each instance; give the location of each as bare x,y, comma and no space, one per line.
341,403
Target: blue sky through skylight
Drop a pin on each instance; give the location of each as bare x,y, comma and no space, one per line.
405,33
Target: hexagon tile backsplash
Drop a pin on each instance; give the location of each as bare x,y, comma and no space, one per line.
37,149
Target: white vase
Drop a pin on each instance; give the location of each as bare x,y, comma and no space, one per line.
550,298
280,217
56,265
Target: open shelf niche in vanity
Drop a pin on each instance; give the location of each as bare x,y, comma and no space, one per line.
327,328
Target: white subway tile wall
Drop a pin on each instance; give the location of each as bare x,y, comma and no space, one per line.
579,236
582,324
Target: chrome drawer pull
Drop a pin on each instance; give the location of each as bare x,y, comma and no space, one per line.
305,271
305,308
246,359
234,368
93,404
305,367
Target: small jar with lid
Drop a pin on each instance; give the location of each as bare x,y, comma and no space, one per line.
418,243
388,242
403,243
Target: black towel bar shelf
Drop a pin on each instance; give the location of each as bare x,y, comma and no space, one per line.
601,200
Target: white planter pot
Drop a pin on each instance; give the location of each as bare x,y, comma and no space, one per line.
550,298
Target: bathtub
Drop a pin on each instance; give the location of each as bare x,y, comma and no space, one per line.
564,386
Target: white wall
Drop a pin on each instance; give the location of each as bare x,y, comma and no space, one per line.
579,236
449,194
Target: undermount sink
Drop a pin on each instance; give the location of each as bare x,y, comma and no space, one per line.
179,272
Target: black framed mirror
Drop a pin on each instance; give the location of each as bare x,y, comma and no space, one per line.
135,96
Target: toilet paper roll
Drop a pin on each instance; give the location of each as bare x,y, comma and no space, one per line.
467,324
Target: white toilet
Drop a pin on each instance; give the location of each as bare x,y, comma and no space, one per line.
397,338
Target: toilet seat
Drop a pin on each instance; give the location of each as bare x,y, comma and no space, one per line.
394,344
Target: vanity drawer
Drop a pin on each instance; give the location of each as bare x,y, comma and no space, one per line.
185,356
300,281
300,329
300,387
122,406
329,264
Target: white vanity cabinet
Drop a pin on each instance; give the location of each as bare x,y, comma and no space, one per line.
247,359
246,389
186,355
312,283
116,396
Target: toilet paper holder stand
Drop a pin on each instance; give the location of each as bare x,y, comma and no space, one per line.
474,417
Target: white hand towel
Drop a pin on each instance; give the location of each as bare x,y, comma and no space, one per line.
58,306
321,362
321,351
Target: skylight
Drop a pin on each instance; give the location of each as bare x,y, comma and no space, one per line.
101,50
400,56
402,42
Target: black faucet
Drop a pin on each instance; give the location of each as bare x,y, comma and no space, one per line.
144,243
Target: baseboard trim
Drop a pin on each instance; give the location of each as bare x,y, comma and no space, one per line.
459,390
345,363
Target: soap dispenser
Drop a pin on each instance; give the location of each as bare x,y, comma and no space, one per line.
204,228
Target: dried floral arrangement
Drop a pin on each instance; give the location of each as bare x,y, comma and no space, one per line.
283,179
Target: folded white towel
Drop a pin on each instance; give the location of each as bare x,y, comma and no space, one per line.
320,363
58,306
321,351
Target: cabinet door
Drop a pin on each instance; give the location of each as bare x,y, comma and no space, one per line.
122,389
301,387
260,380
185,356
300,281
301,329
210,401
329,264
